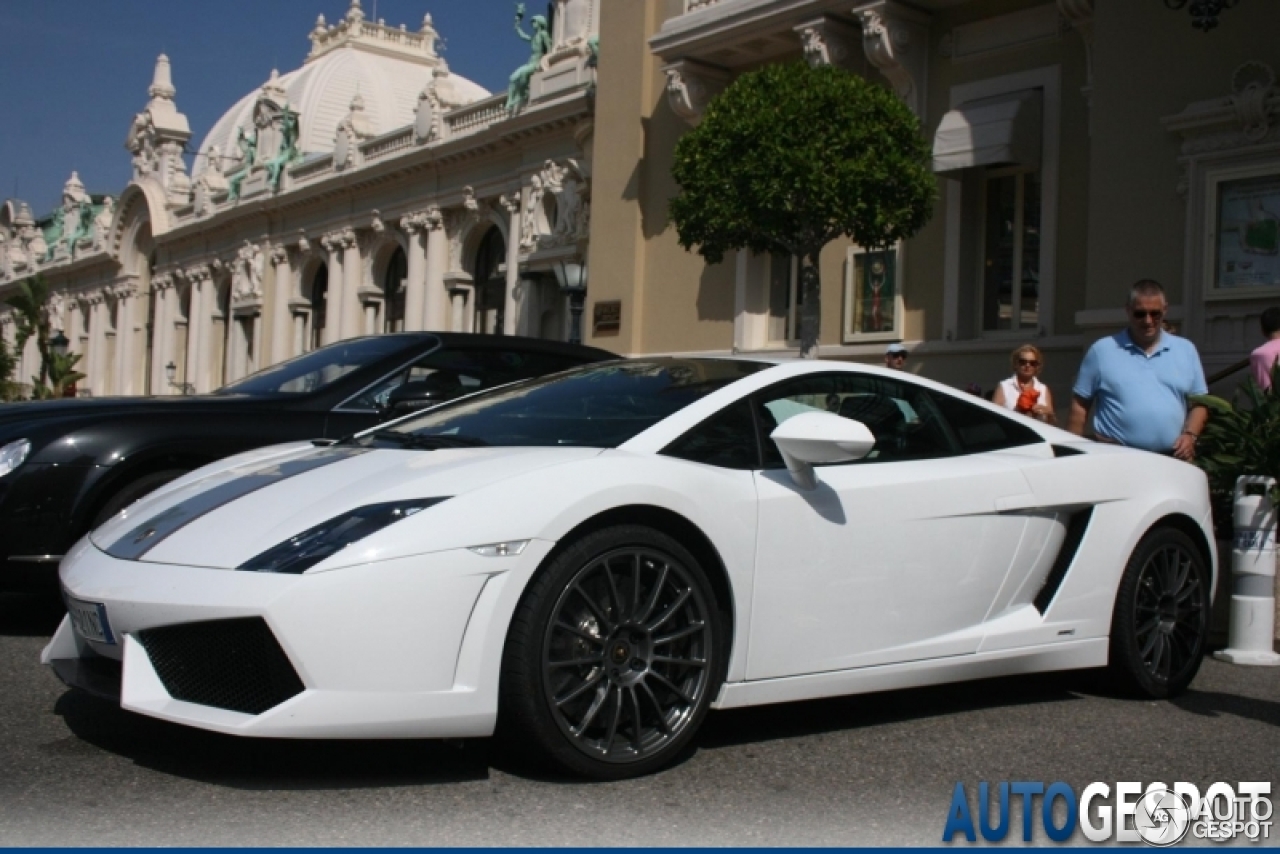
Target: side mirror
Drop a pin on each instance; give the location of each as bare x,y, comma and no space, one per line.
420,394
820,437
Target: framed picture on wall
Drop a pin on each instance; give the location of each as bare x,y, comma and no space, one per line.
1246,234
872,295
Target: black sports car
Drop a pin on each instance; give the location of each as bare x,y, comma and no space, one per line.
67,465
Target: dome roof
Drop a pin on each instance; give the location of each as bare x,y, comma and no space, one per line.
388,67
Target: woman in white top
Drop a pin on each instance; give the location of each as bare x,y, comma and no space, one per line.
1023,392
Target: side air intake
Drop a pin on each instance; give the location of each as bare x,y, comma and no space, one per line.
1077,524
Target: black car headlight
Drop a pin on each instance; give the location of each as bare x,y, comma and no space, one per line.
303,551
13,455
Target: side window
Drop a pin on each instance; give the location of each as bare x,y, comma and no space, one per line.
978,430
474,369
903,418
726,439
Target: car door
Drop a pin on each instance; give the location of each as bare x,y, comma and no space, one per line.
893,558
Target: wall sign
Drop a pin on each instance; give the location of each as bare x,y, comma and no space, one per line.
606,317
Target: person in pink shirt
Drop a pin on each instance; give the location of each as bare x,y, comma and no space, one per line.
1261,359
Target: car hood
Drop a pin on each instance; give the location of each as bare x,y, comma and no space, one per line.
16,417
223,518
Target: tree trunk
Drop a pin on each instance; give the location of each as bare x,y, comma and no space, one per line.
810,304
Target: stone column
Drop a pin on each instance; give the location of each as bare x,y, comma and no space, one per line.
513,322
96,357
126,296
437,305
200,328
333,298
161,332
281,291
459,321
415,295
351,270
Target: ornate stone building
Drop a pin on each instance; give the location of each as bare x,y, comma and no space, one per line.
1079,146
370,190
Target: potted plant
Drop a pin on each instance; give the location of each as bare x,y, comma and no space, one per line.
1242,437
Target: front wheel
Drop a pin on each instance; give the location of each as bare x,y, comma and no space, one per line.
1161,616
613,656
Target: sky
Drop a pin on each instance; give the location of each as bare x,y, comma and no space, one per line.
73,73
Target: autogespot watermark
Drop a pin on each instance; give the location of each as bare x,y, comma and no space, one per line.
1158,814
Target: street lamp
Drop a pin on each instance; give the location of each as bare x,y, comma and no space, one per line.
59,343
171,371
571,273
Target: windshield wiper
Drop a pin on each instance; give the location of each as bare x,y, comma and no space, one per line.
428,443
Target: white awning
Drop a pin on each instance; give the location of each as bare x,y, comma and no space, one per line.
999,131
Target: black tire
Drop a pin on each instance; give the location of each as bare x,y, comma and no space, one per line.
613,656
1161,617
132,491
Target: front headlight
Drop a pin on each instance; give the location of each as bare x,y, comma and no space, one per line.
303,551
13,455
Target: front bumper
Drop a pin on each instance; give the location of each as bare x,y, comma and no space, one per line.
406,648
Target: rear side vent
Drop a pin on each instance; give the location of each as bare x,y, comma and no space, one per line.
1065,451
1076,526
236,665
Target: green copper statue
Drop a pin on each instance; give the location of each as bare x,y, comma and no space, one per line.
248,145
83,227
288,153
539,47
53,234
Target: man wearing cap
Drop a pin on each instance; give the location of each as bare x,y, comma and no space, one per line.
895,357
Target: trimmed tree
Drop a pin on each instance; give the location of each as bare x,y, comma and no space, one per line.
7,364
789,158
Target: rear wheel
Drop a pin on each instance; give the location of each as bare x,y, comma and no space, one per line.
1161,616
613,656
132,491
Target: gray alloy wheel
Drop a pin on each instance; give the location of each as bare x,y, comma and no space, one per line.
620,645
1161,617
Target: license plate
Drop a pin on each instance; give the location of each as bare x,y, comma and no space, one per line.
89,619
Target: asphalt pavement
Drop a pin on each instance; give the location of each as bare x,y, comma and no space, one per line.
870,770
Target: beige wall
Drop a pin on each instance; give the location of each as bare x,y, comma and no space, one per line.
1150,63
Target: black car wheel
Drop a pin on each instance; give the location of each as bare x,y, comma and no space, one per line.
1161,616
613,656
132,491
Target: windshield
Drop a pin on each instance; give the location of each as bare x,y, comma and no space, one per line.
598,406
315,370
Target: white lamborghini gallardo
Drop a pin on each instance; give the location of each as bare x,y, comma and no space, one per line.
586,563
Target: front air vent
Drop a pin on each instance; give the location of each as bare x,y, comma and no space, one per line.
236,665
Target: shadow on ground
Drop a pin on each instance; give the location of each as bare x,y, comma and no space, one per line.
30,614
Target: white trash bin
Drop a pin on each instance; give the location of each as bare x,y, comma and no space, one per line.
1253,575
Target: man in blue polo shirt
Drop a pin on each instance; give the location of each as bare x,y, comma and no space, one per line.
1138,380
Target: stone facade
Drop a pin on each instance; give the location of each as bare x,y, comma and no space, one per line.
1136,120
370,190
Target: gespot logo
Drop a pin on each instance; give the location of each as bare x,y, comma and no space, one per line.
1158,815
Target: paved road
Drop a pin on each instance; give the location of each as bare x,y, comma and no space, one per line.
858,771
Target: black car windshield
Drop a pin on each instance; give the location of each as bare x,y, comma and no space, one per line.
598,406
315,370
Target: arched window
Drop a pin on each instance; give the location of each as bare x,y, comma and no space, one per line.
318,293
393,288
490,283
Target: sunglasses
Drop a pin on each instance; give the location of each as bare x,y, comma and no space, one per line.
1035,363
1154,314
897,355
